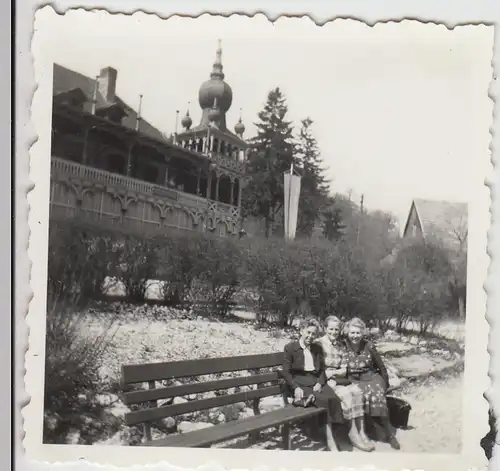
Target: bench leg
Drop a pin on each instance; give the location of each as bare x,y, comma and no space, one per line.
331,445
285,433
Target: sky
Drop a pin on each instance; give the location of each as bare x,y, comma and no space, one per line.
400,110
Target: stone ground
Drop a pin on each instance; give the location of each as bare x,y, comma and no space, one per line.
153,333
434,425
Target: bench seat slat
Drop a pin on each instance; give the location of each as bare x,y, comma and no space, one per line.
180,369
136,397
234,429
155,413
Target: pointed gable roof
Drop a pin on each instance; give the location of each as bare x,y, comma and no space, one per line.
66,80
444,220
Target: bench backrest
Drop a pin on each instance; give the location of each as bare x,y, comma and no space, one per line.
268,383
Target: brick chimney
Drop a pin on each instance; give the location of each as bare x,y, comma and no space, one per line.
107,83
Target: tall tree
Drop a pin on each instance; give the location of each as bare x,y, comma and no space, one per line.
333,229
271,154
314,185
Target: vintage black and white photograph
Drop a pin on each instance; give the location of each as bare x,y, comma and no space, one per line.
260,236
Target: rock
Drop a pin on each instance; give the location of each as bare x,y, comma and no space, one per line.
73,437
51,422
209,395
246,412
423,343
186,427
131,436
116,439
404,339
414,340
179,400
391,335
119,409
192,397
106,399
169,423
232,411
216,416
268,404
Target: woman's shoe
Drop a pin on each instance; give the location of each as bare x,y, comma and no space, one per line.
393,441
358,443
369,444
365,438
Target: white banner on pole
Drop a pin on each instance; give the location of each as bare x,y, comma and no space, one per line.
292,193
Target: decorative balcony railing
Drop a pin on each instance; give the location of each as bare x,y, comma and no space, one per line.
65,168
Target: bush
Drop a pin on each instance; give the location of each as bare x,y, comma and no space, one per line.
218,273
78,261
72,362
177,268
137,264
286,279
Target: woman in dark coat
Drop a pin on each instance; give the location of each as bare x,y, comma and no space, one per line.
366,369
304,373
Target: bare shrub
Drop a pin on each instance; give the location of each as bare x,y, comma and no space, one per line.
73,357
137,263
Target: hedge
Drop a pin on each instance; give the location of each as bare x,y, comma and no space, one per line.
284,279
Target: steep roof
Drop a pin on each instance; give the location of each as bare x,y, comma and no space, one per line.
441,219
66,80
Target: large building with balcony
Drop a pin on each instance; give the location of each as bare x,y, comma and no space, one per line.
110,166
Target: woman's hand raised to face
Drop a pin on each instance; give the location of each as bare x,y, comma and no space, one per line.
317,387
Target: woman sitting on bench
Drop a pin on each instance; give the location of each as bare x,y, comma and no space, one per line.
351,396
304,373
366,369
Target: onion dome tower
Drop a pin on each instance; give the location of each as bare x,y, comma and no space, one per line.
215,94
239,127
187,121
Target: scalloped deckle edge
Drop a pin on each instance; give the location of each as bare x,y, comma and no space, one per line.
27,295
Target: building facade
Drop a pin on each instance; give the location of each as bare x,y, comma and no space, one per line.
443,221
110,166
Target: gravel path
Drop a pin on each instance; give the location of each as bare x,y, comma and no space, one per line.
434,425
435,419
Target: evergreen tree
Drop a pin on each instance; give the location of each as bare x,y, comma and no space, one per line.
314,185
271,154
333,229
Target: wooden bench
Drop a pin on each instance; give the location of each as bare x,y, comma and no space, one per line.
264,376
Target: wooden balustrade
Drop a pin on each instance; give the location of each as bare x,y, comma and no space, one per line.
62,168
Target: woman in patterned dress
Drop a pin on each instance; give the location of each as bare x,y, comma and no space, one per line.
366,369
350,395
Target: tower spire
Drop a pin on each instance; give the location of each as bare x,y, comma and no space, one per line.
217,67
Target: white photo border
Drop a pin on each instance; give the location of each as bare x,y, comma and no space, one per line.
227,457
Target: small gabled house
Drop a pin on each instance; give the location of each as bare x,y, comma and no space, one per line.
443,221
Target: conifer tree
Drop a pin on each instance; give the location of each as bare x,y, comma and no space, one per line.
314,185
271,154
333,229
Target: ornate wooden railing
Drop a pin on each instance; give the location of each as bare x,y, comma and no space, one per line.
65,170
